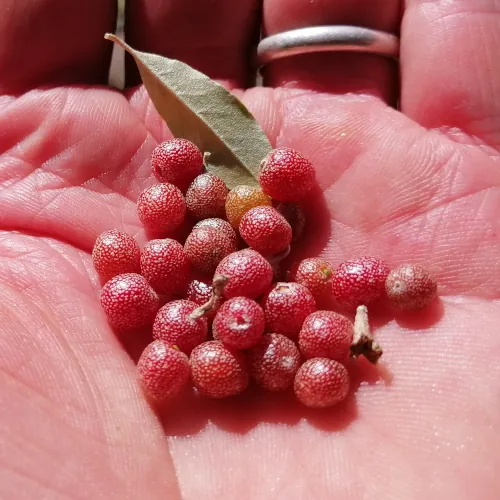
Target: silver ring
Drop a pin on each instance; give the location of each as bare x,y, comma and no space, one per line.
326,39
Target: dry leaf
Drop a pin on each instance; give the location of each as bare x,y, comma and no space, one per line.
203,111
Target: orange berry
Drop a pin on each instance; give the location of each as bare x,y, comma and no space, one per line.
241,199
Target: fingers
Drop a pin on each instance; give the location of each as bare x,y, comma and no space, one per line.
450,66
339,72
214,37
54,41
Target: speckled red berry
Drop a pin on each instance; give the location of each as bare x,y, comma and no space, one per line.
326,334
206,197
286,306
295,216
317,276
221,225
321,383
274,361
162,370
174,325
205,247
161,208
240,323
115,253
129,301
410,287
250,275
218,371
243,198
286,175
265,230
177,161
165,265
200,293
359,281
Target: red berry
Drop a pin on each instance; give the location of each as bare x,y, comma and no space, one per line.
177,161
241,199
295,216
286,175
321,382
200,293
221,225
274,361
250,275
129,301
206,197
359,281
240,323
266,230
410,287
165,265
286,306
174,325
326,334
218,371
205,247
162,370
161,208
317,276
115,253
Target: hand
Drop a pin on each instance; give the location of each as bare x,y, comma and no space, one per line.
419,186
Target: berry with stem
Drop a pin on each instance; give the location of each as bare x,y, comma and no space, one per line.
129,301
317,276
162,370
321,383
410,287
174,325
177,161
218,371
115,252
286,175
239,323
161,208
286,306
221,225
241,199
326,334
265,230
206,197
274,361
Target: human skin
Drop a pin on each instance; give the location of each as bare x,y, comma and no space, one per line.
420,185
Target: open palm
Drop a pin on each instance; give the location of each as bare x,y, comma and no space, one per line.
422,186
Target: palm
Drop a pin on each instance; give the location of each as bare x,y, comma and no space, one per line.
74,422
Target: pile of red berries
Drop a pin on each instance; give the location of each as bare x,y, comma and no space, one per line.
233,323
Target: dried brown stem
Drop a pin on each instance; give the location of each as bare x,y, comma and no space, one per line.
363,343
218,285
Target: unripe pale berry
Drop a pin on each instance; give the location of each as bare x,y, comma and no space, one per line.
129,301
174,325
162,370
286,175
250,275
273,362
286,306
205,247
206,197
200,293
177,161
266,230
321,383
161,208
326,334
295,216
218,371
115,253
359,281
410,287
165,265
221,225
241,199
239,323
317,276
